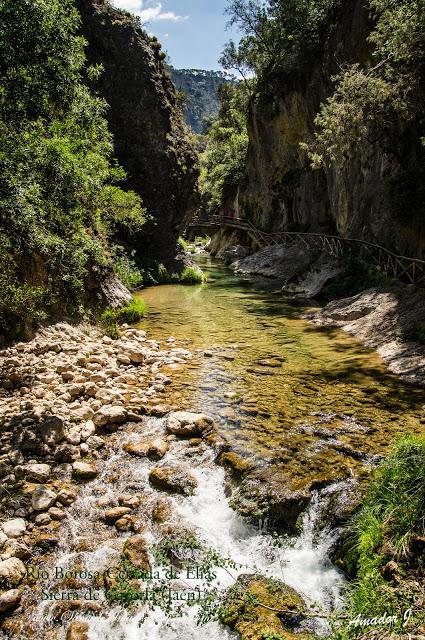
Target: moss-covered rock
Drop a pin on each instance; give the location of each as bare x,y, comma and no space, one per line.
256,607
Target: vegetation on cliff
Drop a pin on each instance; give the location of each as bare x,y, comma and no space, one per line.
368,100
226,144
59,199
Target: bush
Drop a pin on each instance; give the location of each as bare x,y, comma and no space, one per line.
192,275
112,318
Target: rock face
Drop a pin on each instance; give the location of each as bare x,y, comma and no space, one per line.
384,319
356,199
151,140
202,88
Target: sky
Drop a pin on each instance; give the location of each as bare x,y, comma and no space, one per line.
192,32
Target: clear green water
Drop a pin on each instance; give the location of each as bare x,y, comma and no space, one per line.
325,401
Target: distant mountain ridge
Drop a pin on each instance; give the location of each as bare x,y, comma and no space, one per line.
202,87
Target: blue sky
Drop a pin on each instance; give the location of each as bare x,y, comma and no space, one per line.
193,32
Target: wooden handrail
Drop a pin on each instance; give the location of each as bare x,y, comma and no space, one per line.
400,267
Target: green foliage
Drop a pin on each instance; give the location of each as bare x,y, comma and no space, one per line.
223,161
191,275
132,313
126,268
57,203
393,511
369,100
278,35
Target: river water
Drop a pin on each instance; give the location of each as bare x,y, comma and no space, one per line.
284,393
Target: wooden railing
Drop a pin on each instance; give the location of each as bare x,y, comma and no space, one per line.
411,270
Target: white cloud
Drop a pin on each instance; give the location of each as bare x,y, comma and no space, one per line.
151,13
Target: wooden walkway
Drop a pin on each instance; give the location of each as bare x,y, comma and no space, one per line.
410,270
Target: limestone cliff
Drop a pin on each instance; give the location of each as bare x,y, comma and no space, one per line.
376,195
150,137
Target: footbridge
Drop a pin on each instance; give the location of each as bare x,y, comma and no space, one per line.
410,270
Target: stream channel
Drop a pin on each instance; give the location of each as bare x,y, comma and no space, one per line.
285,394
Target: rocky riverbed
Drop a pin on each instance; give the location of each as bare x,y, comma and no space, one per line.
97,471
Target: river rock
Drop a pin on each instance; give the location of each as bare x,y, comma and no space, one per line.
185,424
250,621
10,599
129,500
43,498
136,551
37,472
88,430
12,572
52,430
174,479
95,442
78,631
84,470
56,514
42,519
3,538
110,415
114,514
268,493
17,549
14,528
67,497
154,448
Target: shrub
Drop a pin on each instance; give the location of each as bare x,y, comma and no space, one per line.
112,318
192,275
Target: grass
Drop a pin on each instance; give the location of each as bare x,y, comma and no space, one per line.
112,318
189,275
392,514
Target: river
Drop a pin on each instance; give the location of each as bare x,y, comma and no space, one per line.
285,394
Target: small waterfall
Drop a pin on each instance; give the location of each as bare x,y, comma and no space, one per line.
301,562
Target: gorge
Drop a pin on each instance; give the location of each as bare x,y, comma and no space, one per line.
202,437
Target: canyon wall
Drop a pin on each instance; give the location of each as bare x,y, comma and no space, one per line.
375,195
151,140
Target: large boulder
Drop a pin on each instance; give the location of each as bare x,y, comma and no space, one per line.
174,479
257,607
37,472
269,493
84,470
52,430
185,424
110,415
10,600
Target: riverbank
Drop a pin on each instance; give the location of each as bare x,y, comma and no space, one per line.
388,317
390,320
